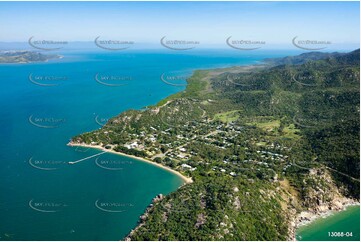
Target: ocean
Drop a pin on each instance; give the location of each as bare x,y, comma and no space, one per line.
43,105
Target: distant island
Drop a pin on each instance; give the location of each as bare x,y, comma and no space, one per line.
24,56
269,147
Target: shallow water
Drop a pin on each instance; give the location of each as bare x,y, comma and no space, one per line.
327,228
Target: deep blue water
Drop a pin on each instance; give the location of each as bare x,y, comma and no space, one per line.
36,122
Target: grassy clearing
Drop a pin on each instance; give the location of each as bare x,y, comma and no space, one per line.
227,117
269,124
266,123
291,132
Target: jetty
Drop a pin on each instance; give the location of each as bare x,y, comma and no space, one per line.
86,158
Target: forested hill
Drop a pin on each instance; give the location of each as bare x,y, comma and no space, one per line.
322,99
24,56
305,57
262,144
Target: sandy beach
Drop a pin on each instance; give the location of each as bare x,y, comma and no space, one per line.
184,178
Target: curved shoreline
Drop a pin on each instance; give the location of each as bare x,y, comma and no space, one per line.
187,180
325,216
306,217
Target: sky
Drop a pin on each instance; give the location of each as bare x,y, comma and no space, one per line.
207,22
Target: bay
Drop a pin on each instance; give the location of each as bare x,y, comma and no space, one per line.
45,198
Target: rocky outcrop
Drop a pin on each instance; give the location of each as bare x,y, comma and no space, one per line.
158,198
321,198
144,217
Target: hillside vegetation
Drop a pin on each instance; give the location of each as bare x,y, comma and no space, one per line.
261,145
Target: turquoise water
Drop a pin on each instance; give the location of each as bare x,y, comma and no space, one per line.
85,201
347,221
44,198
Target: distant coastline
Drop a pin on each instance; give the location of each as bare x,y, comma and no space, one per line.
25,57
